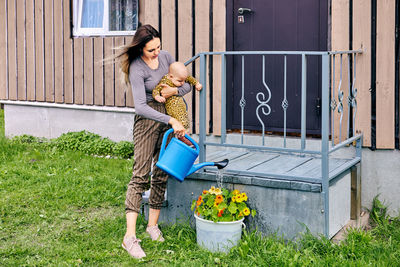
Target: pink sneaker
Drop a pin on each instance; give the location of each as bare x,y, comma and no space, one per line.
131,244
155,233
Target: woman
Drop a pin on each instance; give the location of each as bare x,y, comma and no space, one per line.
144,64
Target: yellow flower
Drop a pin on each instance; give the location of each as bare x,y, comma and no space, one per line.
218,191
234,199
239,198
235,192
246,211
215,191
212,190
244,196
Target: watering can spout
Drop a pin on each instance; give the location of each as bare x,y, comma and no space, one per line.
220,165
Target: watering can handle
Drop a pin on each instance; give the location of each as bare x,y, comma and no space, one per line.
193,142
164,141
165,138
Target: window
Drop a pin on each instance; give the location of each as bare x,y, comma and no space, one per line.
105,17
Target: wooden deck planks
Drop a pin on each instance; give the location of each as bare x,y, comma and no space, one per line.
221,155
266,164
249,160
312,168
280,164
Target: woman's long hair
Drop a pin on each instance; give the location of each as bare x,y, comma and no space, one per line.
130,52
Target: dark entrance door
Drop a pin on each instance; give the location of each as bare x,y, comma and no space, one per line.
274,25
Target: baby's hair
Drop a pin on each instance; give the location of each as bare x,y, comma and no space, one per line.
178,69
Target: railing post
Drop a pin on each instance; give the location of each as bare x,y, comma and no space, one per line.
203,98
223,98
325,139
303,100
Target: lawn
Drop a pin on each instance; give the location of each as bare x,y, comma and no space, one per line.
63,208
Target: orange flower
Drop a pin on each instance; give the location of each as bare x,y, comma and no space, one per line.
199,201
205,192
219,199
220,212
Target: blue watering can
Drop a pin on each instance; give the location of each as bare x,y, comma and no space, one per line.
178,158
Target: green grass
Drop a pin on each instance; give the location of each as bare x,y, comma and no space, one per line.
67,209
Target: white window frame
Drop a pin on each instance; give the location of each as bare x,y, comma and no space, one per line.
78,31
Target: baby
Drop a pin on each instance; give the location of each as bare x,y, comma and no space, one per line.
175,105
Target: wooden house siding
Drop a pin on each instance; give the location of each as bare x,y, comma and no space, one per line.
385,58
42,62
362,40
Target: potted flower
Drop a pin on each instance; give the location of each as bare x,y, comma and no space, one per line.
219,215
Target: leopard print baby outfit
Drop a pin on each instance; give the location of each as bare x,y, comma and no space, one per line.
175,105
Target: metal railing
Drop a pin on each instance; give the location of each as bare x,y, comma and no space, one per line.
330,101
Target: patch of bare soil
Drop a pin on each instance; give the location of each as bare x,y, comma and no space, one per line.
362,222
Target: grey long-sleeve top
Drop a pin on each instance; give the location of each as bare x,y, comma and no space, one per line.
143,80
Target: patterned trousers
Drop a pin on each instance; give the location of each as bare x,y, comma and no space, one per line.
147,138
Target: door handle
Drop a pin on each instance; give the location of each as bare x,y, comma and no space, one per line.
243,10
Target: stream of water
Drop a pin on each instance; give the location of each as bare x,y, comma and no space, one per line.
220,178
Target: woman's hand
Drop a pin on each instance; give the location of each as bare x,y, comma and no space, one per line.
179,130
168,91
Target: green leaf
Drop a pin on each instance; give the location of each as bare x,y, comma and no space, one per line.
241,206
223,205
232,208
253,213
210,201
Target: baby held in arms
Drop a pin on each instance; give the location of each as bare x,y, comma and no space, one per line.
175,105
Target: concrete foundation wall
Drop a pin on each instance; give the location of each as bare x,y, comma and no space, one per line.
281,211
339,203
380,174
52,120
